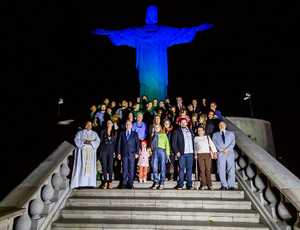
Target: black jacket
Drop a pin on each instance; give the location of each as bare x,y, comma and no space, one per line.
169,135
106,144
178,141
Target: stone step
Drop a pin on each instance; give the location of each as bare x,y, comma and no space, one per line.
167,184
213,176
140,192
146,213
160,202
106,224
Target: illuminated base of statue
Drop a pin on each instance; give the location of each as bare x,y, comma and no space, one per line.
159,94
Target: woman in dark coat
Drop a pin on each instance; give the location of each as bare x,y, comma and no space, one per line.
106,151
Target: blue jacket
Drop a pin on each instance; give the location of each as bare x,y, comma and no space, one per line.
229,142
219,115
130,147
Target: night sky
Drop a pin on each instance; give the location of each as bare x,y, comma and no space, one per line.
48,52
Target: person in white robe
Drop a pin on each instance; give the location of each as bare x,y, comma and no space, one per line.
84,169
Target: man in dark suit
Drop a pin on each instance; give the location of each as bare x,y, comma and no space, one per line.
183,146
196,108
128,146
179,105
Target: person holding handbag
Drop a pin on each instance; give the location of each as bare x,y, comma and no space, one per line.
205,150
161,151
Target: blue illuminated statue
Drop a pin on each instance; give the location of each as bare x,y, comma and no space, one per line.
151,42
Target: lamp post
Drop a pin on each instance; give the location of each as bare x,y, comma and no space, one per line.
248,97
60,101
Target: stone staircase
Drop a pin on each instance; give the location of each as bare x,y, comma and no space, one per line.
145,208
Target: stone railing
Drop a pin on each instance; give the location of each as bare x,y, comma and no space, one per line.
274,190
38,199
259,130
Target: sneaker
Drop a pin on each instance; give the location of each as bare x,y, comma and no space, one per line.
140,181
145,180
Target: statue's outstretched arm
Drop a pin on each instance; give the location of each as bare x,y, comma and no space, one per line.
204,26
119,37
99,32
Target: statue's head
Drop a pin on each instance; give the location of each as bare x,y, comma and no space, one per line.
151,15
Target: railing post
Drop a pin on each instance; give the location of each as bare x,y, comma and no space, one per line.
243,163
272,196
36,207
286,212
57,180
250,172
260,184
64,171
24,221
236,156
47,195
297,223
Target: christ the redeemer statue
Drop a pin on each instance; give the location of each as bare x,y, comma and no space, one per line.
151,42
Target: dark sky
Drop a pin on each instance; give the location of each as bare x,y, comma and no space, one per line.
48,52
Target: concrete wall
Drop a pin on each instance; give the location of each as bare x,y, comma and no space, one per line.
256,128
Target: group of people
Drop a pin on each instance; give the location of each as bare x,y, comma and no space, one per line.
151,135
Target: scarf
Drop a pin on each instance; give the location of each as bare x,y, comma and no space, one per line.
167,130
154,143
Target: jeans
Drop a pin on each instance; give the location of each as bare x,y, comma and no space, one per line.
110,158
185,161
159,158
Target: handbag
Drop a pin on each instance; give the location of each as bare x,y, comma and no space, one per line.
211,152
169,167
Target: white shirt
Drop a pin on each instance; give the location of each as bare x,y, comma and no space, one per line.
201,145
188,142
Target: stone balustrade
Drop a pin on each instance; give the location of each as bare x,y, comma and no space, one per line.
36,202
7,216
274,190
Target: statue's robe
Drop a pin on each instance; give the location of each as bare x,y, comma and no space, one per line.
151,43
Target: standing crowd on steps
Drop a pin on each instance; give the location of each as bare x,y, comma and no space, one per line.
134,139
